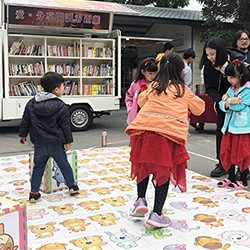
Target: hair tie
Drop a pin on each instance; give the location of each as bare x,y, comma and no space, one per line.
167,61
147,62
236,62
152,60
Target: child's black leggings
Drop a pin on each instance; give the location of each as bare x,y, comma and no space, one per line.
232,176
160,194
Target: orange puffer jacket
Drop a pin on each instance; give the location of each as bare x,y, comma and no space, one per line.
165,114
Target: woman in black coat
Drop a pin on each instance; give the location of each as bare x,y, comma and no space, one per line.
214,61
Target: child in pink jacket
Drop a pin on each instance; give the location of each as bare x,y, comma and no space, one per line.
146,73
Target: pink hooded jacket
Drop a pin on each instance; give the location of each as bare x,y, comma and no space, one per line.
131,99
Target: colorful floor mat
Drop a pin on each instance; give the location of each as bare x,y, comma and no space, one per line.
205,217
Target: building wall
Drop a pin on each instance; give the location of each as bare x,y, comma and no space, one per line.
183,37
180,35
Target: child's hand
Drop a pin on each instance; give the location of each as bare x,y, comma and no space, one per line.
22,140
235,100
67,147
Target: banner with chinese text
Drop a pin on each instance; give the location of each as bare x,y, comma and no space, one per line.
58,18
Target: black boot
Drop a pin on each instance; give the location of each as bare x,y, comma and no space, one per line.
218,171
237,174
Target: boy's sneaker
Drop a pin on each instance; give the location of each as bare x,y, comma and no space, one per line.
74,189
140,208
34,197
155,220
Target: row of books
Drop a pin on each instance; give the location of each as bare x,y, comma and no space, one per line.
70,88
99,70
31,88
97,89
70,69
96,52
35,69
27,88
19,48
64,50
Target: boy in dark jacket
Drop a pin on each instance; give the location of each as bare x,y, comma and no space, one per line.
46,118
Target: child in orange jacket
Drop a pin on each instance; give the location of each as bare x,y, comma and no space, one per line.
158,136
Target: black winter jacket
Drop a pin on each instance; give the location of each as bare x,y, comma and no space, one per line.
46,118
216,83
244,57
238,54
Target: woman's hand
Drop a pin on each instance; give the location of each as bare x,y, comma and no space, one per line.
224,97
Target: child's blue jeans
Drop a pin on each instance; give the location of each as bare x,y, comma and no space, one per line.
42,152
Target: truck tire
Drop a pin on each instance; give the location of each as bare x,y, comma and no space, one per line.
81,117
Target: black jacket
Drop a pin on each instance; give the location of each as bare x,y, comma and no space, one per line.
46,118
244,57
237,54
216,83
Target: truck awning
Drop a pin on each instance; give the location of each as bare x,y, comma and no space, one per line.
104,7
142,41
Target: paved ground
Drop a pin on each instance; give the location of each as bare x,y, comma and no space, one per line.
201,147
204,217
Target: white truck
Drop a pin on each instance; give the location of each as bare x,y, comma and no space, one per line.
74,38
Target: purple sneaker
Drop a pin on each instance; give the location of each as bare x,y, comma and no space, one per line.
155,220
140,208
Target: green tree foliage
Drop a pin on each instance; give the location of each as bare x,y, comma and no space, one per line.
244,14
156,3
224,17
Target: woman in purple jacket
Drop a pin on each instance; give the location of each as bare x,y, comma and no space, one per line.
146,73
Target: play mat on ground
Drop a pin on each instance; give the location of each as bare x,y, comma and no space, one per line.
205,217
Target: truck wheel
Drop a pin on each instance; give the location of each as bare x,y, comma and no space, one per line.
81,117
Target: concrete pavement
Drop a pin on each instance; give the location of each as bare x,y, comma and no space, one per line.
201,147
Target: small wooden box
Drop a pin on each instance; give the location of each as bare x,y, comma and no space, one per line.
13,227
53,179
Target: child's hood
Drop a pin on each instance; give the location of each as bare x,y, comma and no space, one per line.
44,96
247,84
43,105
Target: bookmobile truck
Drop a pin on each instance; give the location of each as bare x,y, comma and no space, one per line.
75,39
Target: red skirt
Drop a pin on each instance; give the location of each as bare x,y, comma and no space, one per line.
235,149
154,154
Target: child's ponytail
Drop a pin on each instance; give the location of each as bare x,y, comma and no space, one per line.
171,71
147,64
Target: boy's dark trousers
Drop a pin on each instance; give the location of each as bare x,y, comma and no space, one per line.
42,152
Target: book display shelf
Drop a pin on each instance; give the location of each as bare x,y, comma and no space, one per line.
87,64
